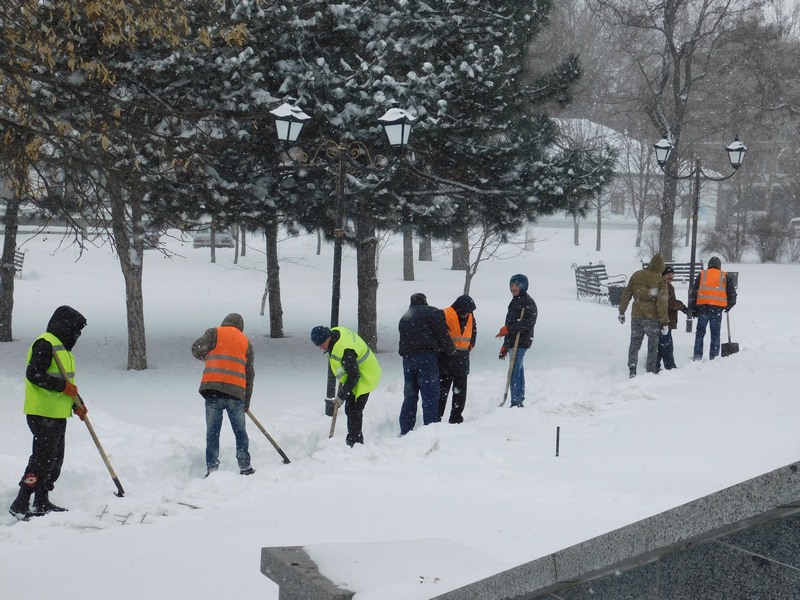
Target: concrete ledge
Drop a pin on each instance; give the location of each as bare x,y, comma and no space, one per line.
740,542
755,503
297,575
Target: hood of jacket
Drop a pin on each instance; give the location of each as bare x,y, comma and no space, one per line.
522,280
233,320
463,305
714,263
657,264
66,324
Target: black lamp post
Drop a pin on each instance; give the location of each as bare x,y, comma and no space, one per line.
397,124
736,151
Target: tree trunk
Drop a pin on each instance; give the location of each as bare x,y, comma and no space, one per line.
460,251
130,254
408,253
274,281
7,271
366,248
599,229
425,248
576,230
667,215
243,240
640,216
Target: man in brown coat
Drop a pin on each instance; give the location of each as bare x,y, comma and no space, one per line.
649,316
665,347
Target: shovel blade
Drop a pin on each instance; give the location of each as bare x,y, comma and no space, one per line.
729,348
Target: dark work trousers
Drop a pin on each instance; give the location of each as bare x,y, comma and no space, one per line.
448,378
47,455
666,351
354,409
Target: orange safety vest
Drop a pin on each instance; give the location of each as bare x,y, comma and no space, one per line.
461,340
713,290
227,362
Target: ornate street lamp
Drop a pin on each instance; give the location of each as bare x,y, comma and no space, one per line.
397,123
663,148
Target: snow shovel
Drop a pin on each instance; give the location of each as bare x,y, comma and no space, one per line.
285,458
336,404
79,401
513,360
729,347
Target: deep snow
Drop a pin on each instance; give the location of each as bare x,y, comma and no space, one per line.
399,518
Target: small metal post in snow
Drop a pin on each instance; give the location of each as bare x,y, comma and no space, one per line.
558,438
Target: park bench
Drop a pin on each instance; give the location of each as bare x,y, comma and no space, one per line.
682,271
593,281
19,259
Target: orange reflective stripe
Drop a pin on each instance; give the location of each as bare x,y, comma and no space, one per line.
712,290
461,340
227,362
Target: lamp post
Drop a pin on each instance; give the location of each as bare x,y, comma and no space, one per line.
343,157
663,148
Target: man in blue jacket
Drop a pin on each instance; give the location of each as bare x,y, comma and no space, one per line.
423,334
520,321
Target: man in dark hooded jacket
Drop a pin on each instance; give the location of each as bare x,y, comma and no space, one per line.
227,386
49,402
712,292
520,320
453,369
649,316
423,334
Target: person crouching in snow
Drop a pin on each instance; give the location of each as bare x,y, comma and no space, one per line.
357,370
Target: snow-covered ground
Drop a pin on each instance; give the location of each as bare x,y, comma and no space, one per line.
398,518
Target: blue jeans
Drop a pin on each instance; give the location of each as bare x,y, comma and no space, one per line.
713,318
518,378
235,409
421,374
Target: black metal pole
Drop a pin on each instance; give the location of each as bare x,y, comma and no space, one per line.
692,258
338,242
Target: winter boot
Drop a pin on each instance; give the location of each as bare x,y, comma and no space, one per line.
354,438
20,508
42,504
247,471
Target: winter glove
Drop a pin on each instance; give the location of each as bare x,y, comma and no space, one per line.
621,318
665,330
685,310
80,411
503,332
71,390
503,352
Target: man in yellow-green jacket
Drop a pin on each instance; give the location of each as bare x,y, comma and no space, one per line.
49,402
357,370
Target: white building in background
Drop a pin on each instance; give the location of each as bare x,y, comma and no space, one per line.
637,175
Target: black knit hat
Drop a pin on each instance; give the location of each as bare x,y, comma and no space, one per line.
668,269
319,334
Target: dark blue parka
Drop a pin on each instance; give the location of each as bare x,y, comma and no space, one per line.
515,320
423,329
